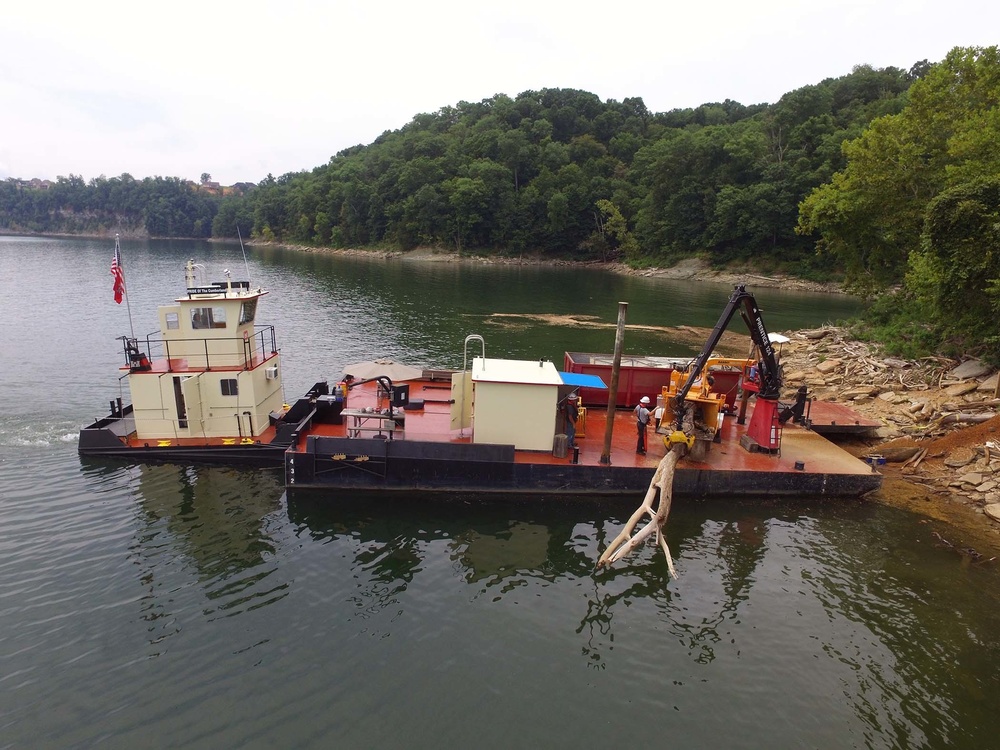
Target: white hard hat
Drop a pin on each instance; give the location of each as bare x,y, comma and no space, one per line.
644,400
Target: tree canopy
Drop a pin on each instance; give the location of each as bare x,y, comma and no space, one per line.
917,203
158,206
555,172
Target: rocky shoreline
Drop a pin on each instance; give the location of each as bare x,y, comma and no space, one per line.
694,269
939,444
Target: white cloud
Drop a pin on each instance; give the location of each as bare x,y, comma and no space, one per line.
240,90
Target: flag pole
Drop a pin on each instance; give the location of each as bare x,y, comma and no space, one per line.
128,306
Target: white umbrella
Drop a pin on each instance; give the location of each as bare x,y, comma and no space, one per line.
395,371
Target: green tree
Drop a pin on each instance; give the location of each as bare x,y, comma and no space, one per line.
956,272
469,201
614,232
870,216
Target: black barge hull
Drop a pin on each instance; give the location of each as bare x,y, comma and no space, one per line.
352,467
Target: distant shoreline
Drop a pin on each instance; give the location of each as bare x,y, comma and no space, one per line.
694,269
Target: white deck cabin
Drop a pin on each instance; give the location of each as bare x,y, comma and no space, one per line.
515,402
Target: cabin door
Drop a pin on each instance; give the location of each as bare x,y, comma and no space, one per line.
461,400
191,389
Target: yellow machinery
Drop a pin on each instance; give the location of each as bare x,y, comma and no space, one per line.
696,399
711,396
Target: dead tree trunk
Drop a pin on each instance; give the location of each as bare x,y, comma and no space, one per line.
661,487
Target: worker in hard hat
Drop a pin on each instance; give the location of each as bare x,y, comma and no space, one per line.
641,422
570,413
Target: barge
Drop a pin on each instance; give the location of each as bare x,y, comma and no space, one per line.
207,388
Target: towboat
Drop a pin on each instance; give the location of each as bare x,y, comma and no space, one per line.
207,388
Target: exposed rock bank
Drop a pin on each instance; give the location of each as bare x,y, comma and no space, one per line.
697,269
940,437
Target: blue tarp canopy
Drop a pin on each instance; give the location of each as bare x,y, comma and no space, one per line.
580,380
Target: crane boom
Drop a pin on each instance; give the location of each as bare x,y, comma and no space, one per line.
743,302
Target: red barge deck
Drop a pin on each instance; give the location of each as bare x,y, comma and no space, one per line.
416,452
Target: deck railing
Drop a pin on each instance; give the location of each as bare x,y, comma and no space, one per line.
201,353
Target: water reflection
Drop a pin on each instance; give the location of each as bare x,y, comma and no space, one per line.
205,526
215,517
498,549
817,603
719,559
512,549
486,542
908,633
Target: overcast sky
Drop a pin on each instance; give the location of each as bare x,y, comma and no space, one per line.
240,90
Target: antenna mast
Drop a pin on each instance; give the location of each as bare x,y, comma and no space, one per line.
245,263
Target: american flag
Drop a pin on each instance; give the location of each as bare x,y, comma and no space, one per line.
119,274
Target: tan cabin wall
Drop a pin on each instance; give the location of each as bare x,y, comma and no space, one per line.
155,405
518,414
218,347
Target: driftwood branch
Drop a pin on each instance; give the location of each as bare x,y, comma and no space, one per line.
972,405
966,418
661,488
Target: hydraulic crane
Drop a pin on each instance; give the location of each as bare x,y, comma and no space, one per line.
760,376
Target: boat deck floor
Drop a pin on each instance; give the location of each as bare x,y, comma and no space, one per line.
197,442
828,418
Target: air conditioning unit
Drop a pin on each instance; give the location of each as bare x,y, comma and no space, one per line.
271,373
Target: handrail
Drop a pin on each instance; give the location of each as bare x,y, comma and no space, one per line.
303,424
465,349
263,344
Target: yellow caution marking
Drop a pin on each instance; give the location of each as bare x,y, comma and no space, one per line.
338,456
229,441
162,443
246,441
361,459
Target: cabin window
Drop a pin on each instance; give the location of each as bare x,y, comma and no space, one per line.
230,387
208,317
173,321
248,311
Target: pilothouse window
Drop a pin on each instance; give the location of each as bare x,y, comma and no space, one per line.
208,317
248,311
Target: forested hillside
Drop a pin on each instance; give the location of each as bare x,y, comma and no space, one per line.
557,173
155,206
889,177
560,173
916,209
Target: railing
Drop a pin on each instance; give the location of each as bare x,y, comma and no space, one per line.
202,353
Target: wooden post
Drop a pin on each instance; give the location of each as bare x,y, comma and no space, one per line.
616,367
